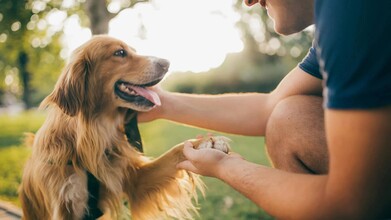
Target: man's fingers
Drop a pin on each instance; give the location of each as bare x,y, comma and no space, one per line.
187,165
189,151
188,144
190,154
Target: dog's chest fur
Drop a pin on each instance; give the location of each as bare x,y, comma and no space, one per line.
73,153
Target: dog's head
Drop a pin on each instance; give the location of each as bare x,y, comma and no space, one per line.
105,73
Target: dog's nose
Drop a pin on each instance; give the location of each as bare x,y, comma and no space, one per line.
164,64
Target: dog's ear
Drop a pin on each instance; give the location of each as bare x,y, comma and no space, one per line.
70,90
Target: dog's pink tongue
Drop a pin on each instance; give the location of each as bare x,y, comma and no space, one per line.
148,94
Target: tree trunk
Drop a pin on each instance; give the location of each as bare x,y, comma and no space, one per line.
99,16
25,77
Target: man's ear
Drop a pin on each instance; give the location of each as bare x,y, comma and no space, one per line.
70,90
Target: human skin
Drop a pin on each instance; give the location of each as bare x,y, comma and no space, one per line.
244,114
289,16
259,114
358,179
356,187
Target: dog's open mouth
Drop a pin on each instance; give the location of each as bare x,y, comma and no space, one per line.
138,94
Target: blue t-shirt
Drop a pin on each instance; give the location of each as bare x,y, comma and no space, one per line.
351,52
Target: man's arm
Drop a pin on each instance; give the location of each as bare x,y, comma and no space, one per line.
244,114
357,186
360,149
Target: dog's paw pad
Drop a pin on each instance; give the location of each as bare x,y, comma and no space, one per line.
219,142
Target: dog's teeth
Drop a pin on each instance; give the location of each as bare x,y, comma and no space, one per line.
123,87
127,89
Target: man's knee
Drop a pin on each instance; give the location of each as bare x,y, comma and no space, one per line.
295,135
292,117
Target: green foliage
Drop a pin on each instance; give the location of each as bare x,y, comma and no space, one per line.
261,65
11,165
221,201
266,58
25,35
13,127
24,28
13,153
238,73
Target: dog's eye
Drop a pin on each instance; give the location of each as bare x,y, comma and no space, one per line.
120,53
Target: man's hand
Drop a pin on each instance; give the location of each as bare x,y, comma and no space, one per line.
205,161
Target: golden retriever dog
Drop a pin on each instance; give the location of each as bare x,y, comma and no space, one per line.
83,165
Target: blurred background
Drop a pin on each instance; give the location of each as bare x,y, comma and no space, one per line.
214,46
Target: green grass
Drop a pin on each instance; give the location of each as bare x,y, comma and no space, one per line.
12,127
220,202
11,166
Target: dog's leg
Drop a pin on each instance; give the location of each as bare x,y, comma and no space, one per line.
52,192
31,199
162,189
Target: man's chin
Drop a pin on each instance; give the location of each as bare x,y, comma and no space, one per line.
288,29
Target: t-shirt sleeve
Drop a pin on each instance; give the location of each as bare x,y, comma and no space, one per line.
310,64
353,47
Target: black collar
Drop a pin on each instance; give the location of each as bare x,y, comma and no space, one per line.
93,198
134,138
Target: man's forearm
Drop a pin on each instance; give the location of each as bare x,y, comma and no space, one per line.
283,195
356,187
244,114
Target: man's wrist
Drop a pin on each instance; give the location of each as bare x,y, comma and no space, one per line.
169,107
223,170
166,104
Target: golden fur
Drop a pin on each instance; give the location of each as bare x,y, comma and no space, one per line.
84,131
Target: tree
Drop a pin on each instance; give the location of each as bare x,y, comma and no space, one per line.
22,41
99,15
264,61
30,60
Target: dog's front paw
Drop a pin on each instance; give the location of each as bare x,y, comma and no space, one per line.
219,142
